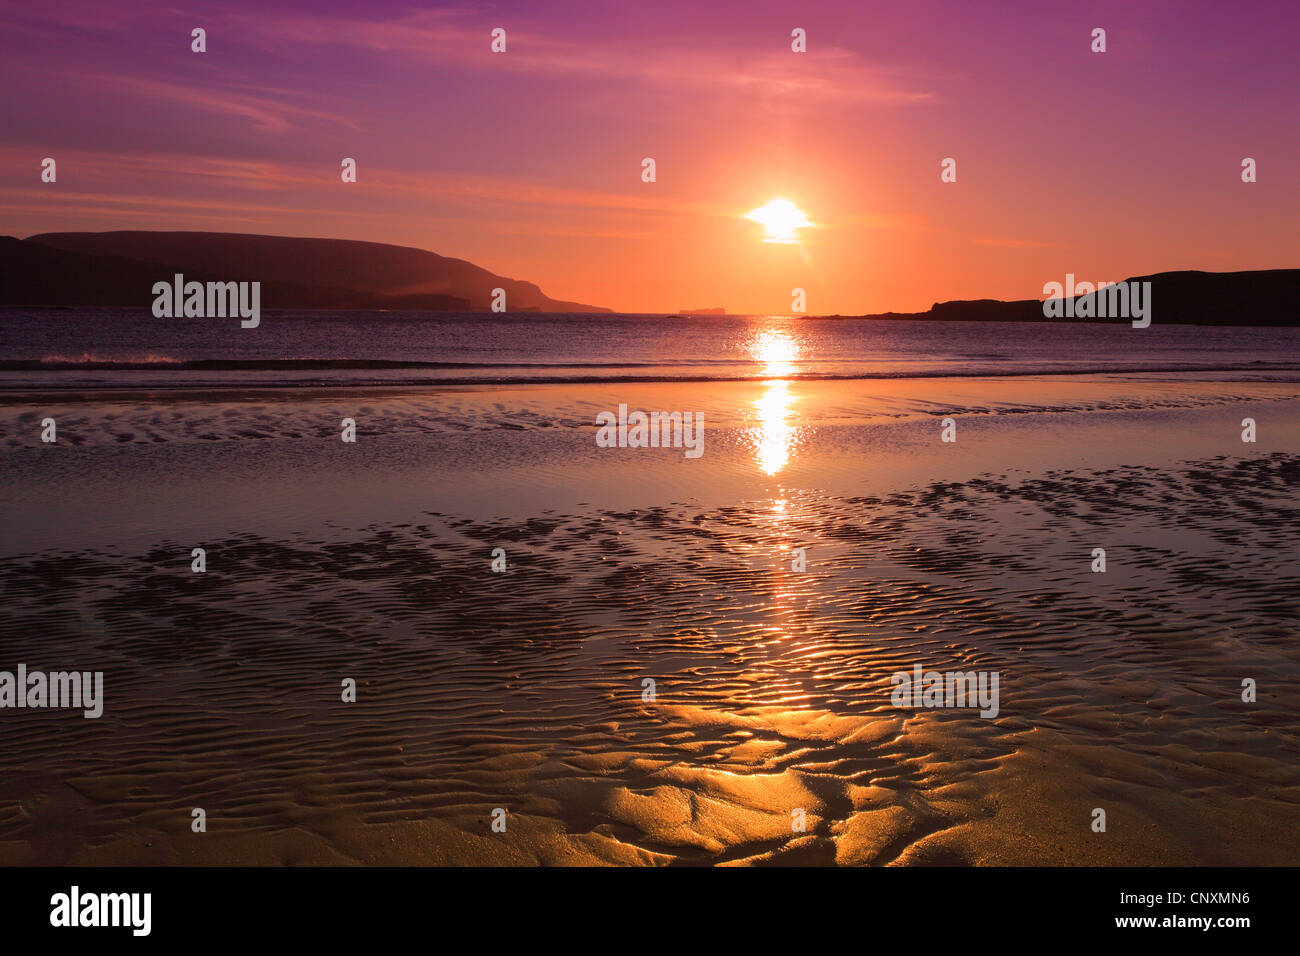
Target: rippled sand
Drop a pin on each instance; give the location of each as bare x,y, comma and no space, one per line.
524,690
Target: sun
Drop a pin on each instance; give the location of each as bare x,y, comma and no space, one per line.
781,219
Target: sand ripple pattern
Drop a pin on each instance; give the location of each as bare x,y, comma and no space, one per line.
523,690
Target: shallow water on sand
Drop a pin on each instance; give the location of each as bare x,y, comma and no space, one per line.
524,690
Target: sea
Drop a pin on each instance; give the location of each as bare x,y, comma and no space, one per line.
94,348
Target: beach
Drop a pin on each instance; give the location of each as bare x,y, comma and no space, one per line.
524,688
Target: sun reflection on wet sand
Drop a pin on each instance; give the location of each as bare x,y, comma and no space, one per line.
774,437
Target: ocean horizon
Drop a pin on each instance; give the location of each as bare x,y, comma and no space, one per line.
130,348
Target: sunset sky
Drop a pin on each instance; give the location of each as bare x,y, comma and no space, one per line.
529,162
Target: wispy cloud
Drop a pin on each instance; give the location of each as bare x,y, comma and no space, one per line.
442,39
132,189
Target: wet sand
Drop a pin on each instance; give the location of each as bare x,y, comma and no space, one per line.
523,690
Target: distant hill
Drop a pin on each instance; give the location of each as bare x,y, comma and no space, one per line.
33,274
1266,297
119,268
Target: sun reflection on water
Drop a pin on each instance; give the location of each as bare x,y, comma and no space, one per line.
777,351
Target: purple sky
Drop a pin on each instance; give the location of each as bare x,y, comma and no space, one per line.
528,162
